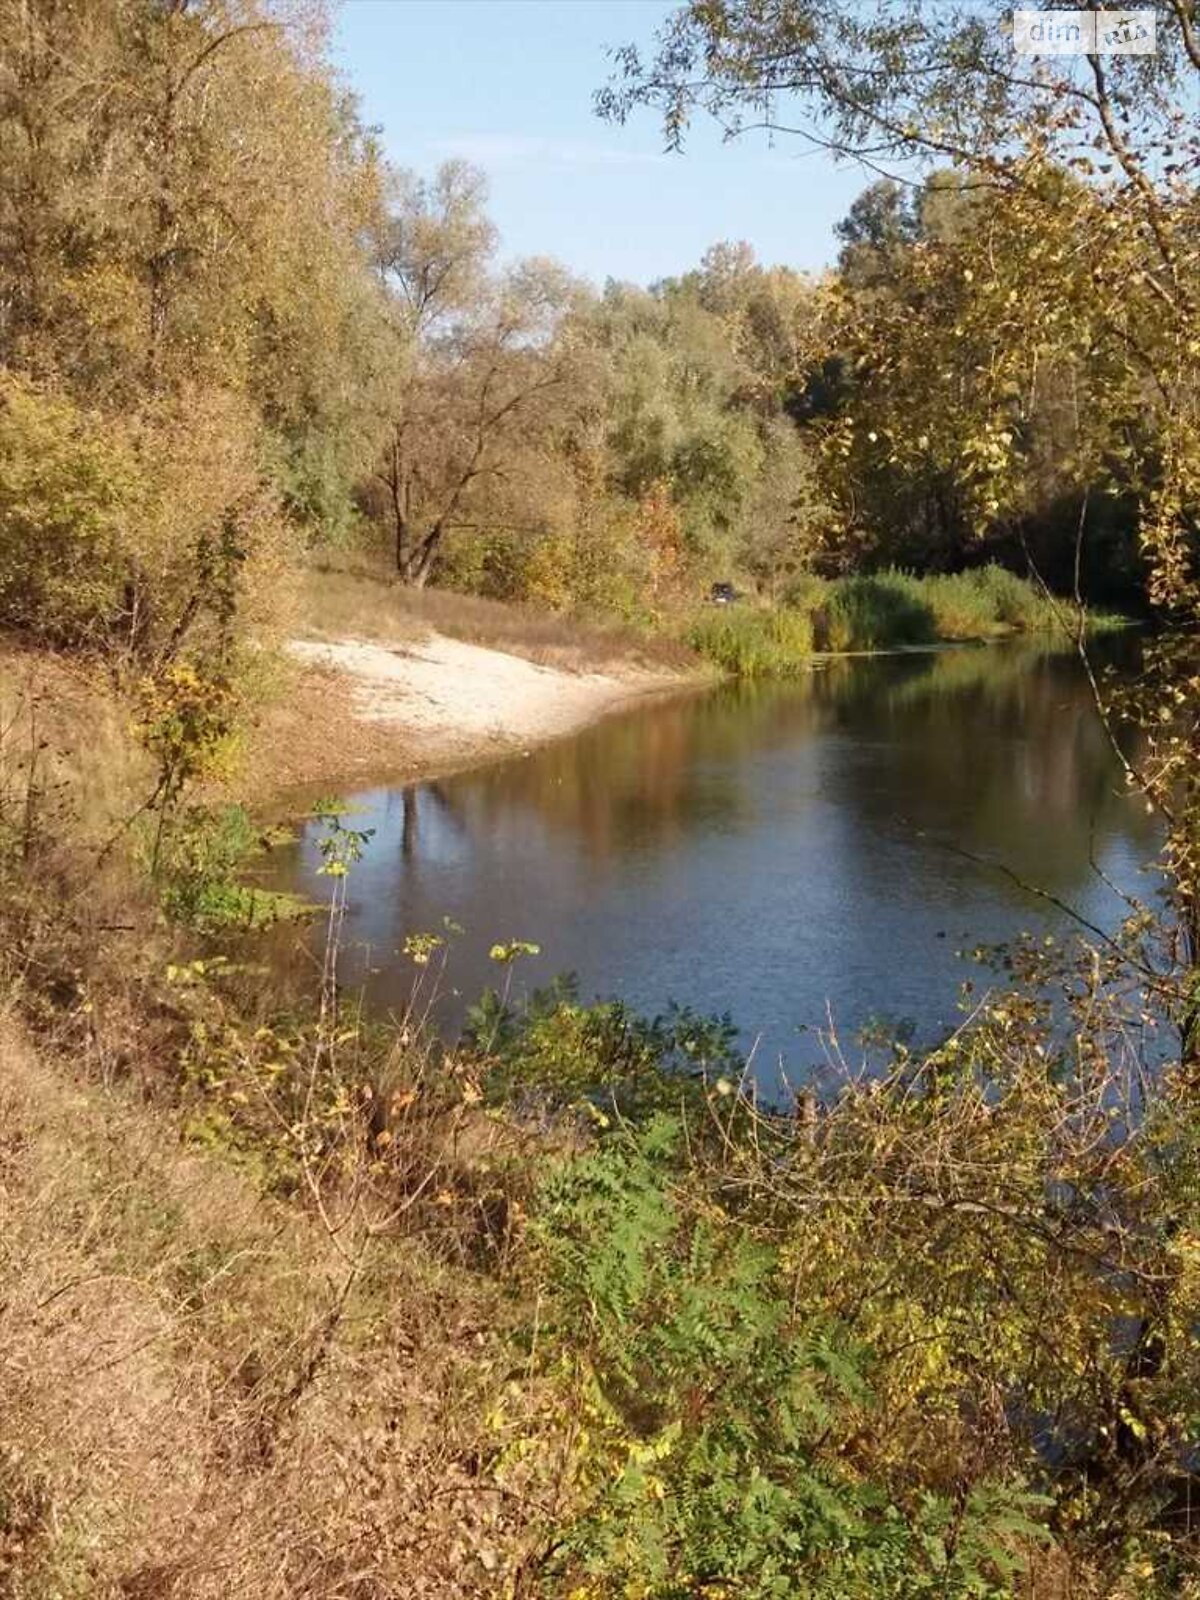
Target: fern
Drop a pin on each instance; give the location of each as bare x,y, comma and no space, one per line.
710,1397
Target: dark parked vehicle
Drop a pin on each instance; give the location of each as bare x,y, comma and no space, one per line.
722,594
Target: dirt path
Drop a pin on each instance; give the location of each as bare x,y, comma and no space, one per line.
358,709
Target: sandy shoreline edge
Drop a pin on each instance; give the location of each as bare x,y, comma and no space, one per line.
359,710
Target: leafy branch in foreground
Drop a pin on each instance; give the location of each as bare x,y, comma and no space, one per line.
935,1331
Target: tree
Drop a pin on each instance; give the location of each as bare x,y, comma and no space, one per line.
435,242
953,421
184,192
478,377
880,224
922,84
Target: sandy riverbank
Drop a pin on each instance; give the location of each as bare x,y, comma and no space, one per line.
357,709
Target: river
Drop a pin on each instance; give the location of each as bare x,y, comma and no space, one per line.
801,855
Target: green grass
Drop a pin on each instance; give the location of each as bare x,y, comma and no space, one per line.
875,613
888,610
754,644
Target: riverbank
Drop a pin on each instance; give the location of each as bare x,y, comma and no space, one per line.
354,707
341,1299
387,681
883,612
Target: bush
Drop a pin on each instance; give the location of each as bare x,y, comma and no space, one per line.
923,1329
143,537
68,490
202,854
807,592
604,1055
710,1390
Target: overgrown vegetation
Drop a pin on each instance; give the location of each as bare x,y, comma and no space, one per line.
561,1310
296,1303
888,610
754,644
293,345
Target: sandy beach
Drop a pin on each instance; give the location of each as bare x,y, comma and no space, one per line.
358,709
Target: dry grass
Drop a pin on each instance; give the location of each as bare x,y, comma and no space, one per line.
308,735
64,733
359,603
205,1390
198,1402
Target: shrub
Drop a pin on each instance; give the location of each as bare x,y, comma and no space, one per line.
201,858
807,592
603,1055
709,1391
68,491
915,1332
145,537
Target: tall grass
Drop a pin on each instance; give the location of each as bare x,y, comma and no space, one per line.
754,644
875,613
887,610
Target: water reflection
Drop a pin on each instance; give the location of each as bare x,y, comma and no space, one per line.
786,853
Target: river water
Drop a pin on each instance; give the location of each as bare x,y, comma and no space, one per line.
799,855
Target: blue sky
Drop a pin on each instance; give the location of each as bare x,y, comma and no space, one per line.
507,84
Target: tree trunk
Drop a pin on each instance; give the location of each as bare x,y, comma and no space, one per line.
415,564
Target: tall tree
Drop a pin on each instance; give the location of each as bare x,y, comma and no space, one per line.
481,357
184,195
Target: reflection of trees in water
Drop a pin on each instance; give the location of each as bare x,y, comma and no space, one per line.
775,845
988,746
980,742
418,800
648,778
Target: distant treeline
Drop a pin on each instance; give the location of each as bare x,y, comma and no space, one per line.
230,332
